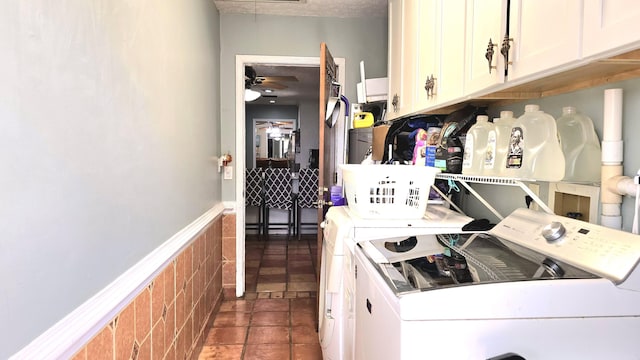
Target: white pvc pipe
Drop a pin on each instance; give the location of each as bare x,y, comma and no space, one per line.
612,154
613,184
626,186
612,130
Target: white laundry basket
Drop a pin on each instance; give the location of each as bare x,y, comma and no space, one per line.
388,191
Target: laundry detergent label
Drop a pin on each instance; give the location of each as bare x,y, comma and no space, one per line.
514,156
490,154
440,164
431,156
467,157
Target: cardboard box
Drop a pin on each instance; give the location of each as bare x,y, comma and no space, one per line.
379,136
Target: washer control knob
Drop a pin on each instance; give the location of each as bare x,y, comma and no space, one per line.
553,232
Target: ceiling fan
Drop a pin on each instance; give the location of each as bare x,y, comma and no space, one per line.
252,79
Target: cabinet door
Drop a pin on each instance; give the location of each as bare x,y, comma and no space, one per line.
410,46
427,53
546,33
610,26
451,60
394,60
486,21
401,60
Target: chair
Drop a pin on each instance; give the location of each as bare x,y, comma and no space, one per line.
278,195
254,196
262,163
307,196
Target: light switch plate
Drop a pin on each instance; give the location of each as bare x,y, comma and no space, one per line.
228,172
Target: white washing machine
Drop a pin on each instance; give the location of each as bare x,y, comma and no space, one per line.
341,230
536,286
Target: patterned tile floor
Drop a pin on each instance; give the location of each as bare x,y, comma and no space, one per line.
276,319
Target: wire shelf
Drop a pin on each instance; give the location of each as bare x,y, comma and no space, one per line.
492,180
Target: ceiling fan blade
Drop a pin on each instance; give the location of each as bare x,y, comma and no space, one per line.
272,85
276,78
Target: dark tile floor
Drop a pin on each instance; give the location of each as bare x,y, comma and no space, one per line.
276,319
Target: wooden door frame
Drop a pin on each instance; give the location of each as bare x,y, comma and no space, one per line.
240,150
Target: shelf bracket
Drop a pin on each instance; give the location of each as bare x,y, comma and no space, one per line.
481,199
446,198
492,180
535,198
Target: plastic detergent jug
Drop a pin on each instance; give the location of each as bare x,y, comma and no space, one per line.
534,150
475,146
580,145
498,144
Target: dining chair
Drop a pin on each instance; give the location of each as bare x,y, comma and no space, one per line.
279,196
307,197
254,197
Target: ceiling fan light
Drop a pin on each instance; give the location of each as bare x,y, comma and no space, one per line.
251,95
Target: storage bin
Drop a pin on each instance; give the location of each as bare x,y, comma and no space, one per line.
388,191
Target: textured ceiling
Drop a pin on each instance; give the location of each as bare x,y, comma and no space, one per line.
322,8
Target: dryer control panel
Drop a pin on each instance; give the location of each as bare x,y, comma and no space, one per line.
606,252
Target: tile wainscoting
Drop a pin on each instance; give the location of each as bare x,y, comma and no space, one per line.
169,318
229,255
159,309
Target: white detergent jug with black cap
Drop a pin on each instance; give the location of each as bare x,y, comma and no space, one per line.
475,146
498,144
534,150
580,145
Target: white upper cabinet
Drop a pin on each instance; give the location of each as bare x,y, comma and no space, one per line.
610,26
451,25
426,53
394,60
443,52
485,29
402,59
410,49
546,35
427,76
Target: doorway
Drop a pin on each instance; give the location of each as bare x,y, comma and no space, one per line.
241,133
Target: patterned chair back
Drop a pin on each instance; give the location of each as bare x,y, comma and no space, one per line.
278,189
254,189
307,188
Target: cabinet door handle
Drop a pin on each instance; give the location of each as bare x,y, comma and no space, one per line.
504,49
430,86
394,102
489,54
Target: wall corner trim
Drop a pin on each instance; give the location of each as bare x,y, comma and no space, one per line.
75,330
